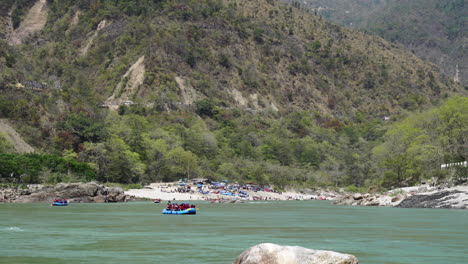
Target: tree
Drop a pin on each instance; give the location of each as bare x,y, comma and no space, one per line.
96,154
452,129
124,165
228,170
334,168
181,162
83,128
408,153
157,169
205,107
306,151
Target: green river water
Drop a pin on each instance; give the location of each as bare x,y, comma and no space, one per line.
138,233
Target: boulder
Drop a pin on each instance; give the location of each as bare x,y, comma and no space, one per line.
64,186
347,202
115,194
83,199
422,189
35,197
397,198
90,188
276,254
372,203
345,199
72,190
100,199
25,192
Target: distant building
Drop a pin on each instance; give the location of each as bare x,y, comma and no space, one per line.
459,164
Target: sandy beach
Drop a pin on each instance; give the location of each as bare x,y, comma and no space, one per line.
168,191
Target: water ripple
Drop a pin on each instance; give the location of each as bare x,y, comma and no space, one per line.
14,229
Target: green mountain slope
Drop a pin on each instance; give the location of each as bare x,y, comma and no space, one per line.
247,90
434,30
255,54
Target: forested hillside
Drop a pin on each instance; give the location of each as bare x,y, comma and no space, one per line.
258,91
435,30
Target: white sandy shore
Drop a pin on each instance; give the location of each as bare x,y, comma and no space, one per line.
167,191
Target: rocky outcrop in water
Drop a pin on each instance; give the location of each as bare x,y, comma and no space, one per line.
411,197
276,254
74,192
370,199
443,199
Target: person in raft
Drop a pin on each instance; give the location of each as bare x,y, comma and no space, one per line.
176,207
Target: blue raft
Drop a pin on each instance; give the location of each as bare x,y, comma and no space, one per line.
59,204
181,212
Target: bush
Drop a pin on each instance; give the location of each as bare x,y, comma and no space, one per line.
225,61
205,107
29,168
352,188
5,144
124,187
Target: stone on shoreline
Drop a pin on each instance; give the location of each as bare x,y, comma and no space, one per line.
368,200
90,192
268,253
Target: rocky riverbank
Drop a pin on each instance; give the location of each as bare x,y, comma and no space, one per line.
90,192
412,197
454,198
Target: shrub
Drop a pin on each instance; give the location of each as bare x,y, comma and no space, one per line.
124,187
352,188
27,168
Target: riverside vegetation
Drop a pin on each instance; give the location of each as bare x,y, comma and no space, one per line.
250,91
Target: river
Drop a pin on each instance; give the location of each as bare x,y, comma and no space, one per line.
137,232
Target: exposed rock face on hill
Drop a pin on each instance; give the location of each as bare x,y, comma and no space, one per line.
93,36
20,145
124,91
34,21
189,95
276,254
74,192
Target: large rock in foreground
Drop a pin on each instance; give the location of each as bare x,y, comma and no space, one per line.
276,254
